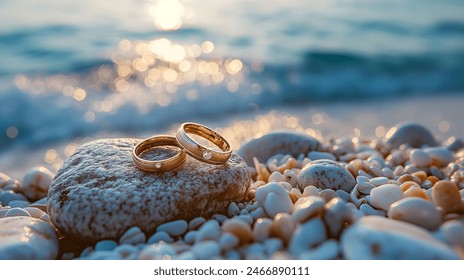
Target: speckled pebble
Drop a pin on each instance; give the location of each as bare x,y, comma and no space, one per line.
416,211
174,228
410,133
307,235
36,182
27,238
446,195
326,174
379,238
277,143
383,196
87,191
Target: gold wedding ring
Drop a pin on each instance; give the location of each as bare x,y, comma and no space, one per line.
158,165
201,152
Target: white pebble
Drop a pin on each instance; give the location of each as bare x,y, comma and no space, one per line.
7,196
366,209
262,229
277,203
196,223
296,192
105,245
160,236
227,241
328,250
45,218
310,190
440,155
35,212
134,235
388,172
343,195
16,212
253,250
378,181
258,213
272,245
307,235
161,251
416,211
174,228
18,203
220,218
291,177
206,250
208,231
36,182
246,218
276,176
419,158
307,207
186,256
232,210
453,231
126,251
315,155
383,196
190,237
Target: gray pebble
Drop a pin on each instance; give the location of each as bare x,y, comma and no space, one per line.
105,245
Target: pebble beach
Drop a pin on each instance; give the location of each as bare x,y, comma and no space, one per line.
399,196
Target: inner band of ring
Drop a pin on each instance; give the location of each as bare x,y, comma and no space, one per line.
158,165
200,152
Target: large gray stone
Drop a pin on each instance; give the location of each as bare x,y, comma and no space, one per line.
99,193
268,145
27,238
410,133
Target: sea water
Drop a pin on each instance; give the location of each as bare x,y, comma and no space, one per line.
72,69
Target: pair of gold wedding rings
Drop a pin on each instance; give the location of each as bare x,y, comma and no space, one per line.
187,145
